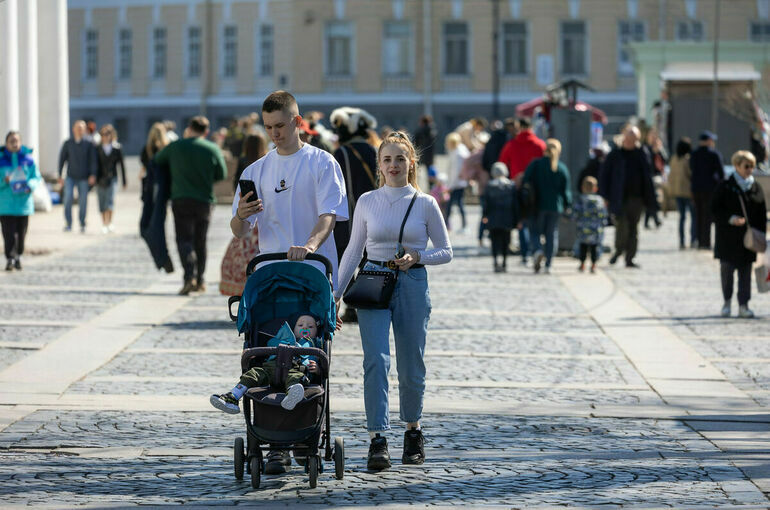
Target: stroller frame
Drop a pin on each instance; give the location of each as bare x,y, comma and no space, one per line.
304,443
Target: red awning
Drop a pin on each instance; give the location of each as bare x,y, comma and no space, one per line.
528,109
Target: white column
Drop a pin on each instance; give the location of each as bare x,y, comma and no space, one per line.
28,84
9,68
53,73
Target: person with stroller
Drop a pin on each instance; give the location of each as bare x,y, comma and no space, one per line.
376,225
499,212
303,334
300,196
590,215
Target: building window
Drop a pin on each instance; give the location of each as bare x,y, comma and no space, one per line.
760,32
397,48
230,51
339,49
690,30
124,53
91,54
266,50
628,32
159,52
193,52
573,48
515,47
456,57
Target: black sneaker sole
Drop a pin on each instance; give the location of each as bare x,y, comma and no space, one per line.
378,464
415,460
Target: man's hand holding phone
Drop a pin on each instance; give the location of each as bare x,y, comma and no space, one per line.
249,204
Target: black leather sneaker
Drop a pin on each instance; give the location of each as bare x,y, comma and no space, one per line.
278,461
379,458
414,447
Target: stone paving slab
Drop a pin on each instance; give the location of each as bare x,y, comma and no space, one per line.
471,460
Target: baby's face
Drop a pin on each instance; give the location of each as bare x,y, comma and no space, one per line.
305,327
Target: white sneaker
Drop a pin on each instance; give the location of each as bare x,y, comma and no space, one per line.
547,270
105,230
726,309
294,394
744,312
111,227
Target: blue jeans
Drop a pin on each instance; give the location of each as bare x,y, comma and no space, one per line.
69,187
524,239
409,312
684,205
546,224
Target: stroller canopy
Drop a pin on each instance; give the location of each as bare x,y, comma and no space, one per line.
281,289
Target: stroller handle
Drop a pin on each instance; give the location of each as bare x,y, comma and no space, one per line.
263,352
282,256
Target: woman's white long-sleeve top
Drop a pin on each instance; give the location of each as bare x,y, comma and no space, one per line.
376,224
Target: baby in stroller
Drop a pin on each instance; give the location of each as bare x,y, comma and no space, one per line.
304,334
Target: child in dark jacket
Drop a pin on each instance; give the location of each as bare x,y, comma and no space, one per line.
590,216
304,334
499,212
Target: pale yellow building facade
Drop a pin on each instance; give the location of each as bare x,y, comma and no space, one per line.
136,61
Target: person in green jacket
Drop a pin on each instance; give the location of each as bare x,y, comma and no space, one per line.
550,180
194,165
19,177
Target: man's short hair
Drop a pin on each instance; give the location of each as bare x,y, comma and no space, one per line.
525,123
280,100
199,124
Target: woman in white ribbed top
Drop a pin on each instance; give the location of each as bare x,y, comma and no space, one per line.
376,224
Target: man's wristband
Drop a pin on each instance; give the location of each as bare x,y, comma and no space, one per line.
239,216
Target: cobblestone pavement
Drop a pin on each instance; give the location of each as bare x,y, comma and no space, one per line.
537,371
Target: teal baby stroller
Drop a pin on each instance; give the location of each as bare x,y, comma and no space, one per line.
273,293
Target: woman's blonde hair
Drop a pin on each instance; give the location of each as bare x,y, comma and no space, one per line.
552,152
453,139
402,139
156,139
741,157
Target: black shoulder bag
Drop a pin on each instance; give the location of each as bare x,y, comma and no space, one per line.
372,290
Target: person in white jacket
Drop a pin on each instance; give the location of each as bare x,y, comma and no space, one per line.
457,153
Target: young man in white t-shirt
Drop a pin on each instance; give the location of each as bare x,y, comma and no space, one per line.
301,194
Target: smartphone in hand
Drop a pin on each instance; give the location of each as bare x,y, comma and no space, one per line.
246,186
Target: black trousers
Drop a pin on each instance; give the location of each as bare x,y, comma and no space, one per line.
584,249
191,221
744,281
703,219
14,232
627,228
501,238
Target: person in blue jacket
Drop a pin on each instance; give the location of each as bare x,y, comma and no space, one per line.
19,177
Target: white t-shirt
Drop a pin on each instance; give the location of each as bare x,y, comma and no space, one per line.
296,190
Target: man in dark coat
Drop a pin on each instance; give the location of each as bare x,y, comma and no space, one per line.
707,173
626,185
425,141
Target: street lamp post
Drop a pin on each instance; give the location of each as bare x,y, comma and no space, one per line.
495,59
715,83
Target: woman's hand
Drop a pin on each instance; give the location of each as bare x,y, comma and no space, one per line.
737,221
337,309
410,258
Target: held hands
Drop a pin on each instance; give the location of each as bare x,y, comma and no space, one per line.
410,258
91,180
737,221
246,209
339,320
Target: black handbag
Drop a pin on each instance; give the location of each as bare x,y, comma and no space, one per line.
372,290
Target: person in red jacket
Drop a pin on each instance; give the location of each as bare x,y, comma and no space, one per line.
517,154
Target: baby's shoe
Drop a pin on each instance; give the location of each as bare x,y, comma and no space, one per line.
294,394
227,403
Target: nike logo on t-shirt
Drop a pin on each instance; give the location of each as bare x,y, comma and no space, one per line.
278,190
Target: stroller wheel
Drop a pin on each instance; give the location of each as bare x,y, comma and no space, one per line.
339,458
239,460
256,468
312,464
